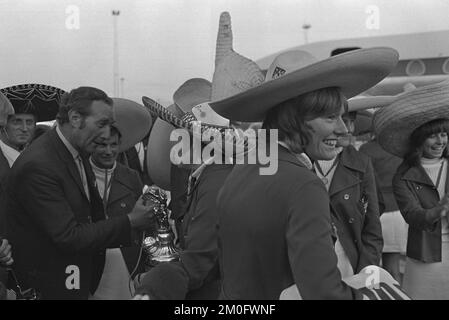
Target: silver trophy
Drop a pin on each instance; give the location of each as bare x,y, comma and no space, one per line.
161,247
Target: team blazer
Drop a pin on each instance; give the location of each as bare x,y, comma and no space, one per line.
275,231
355,208
417,198
126,188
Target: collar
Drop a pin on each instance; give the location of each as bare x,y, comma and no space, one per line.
97,169
67,144
417,174
351,158
10,153
302,157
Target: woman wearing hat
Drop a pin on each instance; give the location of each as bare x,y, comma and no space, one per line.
275,230
351,184
415,127
120,187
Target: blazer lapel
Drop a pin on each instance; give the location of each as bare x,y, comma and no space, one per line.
419,175
344,176
121,186
67,158
4,166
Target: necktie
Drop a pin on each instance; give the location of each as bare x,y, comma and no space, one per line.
97,208
82,171
97,212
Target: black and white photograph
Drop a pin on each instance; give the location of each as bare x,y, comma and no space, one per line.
209,151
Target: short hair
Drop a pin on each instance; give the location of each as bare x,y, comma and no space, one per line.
115,132
419,135
290,116
80,100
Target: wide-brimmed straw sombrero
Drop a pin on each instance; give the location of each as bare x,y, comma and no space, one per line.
132,120
394,124
38,99
6,109
297,72
233,73
361,103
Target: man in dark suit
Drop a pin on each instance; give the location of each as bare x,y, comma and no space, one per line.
55,215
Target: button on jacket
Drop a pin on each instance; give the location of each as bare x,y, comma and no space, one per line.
354,204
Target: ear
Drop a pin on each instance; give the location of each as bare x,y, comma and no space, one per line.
75,119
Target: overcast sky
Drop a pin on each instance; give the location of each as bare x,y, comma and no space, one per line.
162,43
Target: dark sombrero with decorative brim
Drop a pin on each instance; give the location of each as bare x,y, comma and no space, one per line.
132,120
38,99
394,123
297,72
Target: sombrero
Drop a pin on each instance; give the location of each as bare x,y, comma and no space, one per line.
132,120
38,99
188,95
297,72
363,123
395,123
6,109
233,73
360,103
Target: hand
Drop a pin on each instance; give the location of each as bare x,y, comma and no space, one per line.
5,254
141,297
444,203
142,215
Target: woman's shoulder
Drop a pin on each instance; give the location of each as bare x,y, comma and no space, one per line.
295,174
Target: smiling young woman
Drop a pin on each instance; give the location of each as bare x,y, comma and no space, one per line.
415,127
275,230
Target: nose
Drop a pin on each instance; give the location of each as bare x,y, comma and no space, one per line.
108,150
340,127
441,138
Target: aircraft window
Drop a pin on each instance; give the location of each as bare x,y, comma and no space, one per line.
415,68
445,66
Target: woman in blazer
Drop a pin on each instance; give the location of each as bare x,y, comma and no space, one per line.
275,229
420,184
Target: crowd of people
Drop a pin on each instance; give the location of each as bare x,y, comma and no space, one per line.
73,216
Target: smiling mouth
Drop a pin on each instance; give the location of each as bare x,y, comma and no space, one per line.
438,149
330,142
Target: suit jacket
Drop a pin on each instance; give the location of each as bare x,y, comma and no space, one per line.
355,209
275,231
4,170
133,161
58,249
126,188
196,275
418,198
